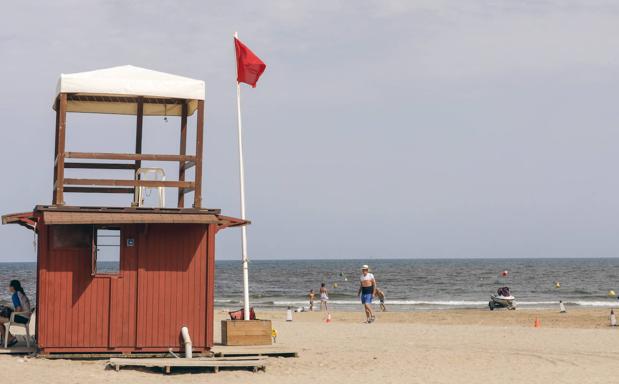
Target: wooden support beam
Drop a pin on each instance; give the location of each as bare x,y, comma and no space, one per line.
130,183
197,198
138,144
182,152
185,190
138,131
125,166
57,108
60,149
98,190
188,164
127,156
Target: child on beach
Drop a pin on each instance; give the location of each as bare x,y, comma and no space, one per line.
323,297
311,299
381,296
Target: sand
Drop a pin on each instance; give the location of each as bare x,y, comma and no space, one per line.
449,346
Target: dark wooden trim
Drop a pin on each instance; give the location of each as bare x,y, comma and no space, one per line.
98,190
188,164
126,99
138,132
184,191
60,155
69,208
125,166
197,198
130,183
138,144
127,156
182,152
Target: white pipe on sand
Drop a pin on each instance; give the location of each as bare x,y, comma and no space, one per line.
187,340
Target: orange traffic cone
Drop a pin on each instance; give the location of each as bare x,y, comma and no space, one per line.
328,320
538,324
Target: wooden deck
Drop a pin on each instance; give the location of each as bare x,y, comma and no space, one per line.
255,363
254,350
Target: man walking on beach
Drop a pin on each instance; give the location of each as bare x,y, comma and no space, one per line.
367,289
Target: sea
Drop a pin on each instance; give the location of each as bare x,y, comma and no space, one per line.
409,284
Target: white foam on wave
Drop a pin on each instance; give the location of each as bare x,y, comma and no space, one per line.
455,303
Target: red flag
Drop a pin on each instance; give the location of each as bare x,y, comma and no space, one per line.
249,67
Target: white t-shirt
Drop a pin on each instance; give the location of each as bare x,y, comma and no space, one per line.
367,277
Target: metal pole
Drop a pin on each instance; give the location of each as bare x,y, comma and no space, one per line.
242,184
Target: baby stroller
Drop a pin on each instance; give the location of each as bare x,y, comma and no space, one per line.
502,299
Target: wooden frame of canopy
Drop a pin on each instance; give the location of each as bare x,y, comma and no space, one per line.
80,185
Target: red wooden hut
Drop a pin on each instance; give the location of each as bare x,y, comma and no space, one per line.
125,279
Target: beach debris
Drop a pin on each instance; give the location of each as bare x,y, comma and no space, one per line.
613,318
562,307
611,293
505,273
538,323
289,314
328,320
557,284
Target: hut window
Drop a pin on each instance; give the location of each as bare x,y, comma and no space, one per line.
71,236
106,252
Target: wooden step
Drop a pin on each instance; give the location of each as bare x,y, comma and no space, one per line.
167,363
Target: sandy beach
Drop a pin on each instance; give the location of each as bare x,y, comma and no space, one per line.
449,346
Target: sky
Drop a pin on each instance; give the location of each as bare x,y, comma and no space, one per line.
380,129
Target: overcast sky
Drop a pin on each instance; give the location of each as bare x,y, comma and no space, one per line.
383,129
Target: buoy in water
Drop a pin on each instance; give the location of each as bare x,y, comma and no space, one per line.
557,284
611,293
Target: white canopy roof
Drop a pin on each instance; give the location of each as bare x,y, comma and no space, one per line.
113,90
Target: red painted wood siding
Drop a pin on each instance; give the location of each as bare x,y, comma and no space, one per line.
172,288
166,282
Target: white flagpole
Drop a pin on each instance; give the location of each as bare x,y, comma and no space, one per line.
242,183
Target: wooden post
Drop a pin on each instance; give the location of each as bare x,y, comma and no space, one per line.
182,152
197,199
60,150
138,142
57,106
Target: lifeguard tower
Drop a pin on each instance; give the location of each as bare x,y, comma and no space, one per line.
162,274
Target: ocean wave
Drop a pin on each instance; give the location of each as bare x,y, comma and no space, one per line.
450,303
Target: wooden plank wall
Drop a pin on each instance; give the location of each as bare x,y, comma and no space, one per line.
162,287
172,285
73,308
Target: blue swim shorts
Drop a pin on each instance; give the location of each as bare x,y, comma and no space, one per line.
366,298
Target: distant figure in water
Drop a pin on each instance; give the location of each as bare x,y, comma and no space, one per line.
21,304
311,297
367,289
324,297
381,296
